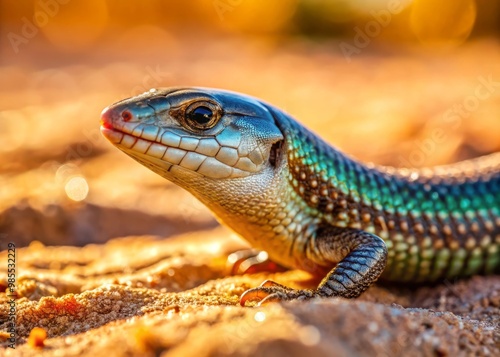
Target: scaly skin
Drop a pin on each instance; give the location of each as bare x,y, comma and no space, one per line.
308,205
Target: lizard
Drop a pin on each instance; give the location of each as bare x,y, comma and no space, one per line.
308,205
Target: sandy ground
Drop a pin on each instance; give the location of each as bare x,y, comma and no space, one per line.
161,286
150,296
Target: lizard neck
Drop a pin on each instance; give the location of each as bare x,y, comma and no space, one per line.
262,209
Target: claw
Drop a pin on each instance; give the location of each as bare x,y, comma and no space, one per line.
270,283
264,292
250,261
275,297
237,259
259,293
270,291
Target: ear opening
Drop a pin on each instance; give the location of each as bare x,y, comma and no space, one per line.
275,153
277,148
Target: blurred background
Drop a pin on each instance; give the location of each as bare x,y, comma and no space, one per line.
396,82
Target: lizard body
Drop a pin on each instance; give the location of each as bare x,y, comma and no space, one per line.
305,203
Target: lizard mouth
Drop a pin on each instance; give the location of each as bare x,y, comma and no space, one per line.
158,156
110,133
106,125
108,129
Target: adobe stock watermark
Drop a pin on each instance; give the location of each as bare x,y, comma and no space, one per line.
153,77
241,328
11,293
364,36
81,150
31,27
451,121
93,137
223,6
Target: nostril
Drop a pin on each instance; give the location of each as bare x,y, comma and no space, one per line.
126,115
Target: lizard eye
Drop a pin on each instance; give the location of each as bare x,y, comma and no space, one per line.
202,115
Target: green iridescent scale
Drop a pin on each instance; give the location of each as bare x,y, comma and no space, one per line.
436,225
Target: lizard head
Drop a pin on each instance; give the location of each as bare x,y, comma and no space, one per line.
193,134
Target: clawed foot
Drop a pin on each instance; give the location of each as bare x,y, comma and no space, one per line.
251,261
269,291
361,267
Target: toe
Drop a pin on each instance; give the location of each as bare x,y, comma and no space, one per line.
276,297
254,294
270,283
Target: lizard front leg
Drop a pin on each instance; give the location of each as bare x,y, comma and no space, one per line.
362,256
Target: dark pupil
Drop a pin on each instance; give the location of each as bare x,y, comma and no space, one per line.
201,115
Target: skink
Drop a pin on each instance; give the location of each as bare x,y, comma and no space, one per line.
309,206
